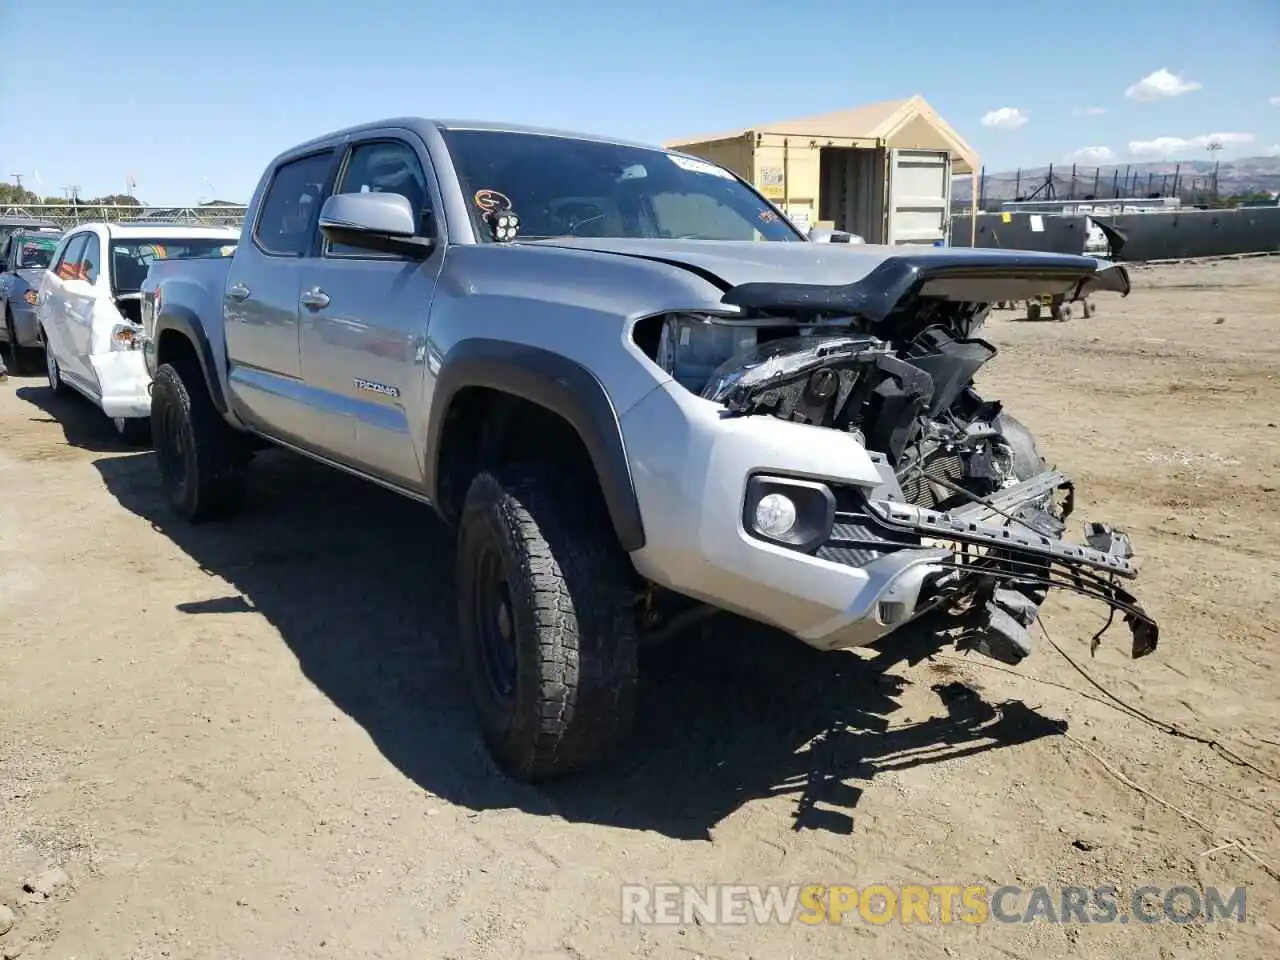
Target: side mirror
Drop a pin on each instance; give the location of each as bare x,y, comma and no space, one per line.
373,221
827,235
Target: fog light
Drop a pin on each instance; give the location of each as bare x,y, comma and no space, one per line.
775,515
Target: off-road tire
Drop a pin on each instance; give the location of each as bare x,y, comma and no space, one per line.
201,458
22,360
570,605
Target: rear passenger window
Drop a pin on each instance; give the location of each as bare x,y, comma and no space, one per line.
68,264
291,205
91,259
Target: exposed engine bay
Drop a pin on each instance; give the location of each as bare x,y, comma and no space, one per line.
957,471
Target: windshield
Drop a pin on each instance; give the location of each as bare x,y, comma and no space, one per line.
130,259
564,187
36,251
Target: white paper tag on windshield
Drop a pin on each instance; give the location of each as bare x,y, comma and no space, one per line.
700,166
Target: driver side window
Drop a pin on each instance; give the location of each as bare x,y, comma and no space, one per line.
385,166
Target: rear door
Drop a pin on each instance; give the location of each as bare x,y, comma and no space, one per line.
919,195
52,304
260,302
82,294
364,318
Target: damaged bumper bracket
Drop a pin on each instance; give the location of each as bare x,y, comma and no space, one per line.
1006,554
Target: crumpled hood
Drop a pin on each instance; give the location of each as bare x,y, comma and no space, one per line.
835,277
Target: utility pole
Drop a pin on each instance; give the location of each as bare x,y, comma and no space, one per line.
1213,146
17,179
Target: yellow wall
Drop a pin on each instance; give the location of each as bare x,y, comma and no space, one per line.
734,154
797,193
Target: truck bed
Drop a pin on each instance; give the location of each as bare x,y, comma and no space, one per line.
195,284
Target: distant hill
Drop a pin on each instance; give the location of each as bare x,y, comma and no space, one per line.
1247,175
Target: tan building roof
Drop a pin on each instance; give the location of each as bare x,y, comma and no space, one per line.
909,122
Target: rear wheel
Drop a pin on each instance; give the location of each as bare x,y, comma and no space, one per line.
202,459
546,624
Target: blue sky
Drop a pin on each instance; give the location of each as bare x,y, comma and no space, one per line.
193,97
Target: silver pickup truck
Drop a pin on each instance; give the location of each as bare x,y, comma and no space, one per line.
638,393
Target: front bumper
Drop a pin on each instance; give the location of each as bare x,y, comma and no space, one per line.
880,563
123,382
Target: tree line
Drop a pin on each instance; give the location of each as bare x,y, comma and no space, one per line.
13,195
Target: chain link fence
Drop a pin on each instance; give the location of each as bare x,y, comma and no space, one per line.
67,215
1194,183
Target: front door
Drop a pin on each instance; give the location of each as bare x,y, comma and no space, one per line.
260,302
364,320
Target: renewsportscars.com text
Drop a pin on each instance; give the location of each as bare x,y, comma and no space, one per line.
919,904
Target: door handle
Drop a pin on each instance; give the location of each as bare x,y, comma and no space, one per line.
314,299
238,292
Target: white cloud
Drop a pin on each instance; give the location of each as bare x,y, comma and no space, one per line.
1088,111
1091,155
1005,118
1274,150
1172,146
1274,101
1161,84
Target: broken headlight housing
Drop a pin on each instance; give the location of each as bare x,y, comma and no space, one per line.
691,348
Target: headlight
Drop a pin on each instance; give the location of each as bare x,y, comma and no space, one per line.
126,336
789,512
31,296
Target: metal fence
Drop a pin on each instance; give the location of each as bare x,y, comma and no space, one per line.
72,214
1195,183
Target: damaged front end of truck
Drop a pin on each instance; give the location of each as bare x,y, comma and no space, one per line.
890,359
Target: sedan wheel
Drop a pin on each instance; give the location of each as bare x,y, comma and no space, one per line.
51,369
133,430
19,356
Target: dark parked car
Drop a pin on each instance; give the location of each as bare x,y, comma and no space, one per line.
24,255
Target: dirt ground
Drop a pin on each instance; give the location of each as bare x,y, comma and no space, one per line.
243,741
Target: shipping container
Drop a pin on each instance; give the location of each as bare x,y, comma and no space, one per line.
883,172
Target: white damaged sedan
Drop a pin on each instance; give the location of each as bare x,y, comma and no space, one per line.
89,310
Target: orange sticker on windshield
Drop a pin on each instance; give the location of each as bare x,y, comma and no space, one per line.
491,201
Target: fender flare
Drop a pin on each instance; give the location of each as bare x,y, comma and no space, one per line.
186,322
558,384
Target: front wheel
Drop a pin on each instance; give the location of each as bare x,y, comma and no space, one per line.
51,368
546,624
21,359
201,457
133,430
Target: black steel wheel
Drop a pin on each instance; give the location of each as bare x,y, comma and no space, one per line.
546,623
201,457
